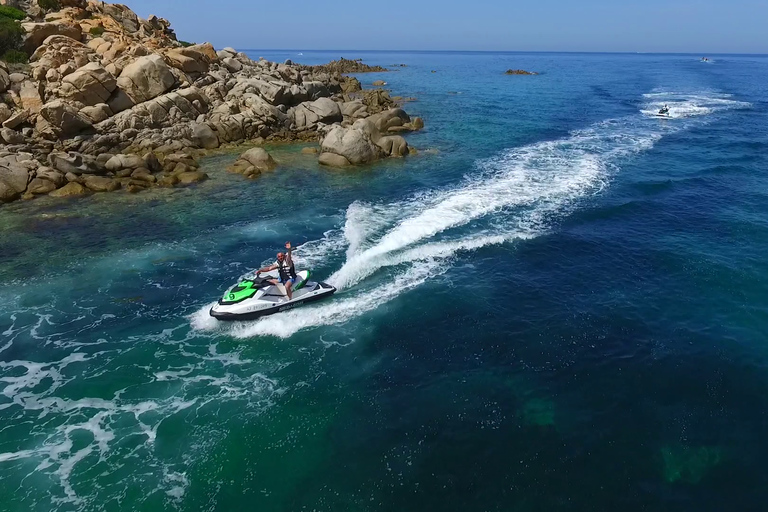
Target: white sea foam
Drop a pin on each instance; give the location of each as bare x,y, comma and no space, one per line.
74,435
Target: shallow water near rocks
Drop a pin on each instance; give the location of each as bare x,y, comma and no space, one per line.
558,304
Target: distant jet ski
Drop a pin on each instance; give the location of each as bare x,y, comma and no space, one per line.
664,112
254,297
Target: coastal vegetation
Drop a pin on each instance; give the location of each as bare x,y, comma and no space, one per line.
7,11
11,33
49,5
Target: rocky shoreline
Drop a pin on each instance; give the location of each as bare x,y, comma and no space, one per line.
111,101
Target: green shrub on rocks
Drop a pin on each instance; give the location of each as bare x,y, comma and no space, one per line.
49,5
15,57
11,12
96,31
185,44
10,34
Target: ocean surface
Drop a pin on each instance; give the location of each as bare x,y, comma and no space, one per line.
559,304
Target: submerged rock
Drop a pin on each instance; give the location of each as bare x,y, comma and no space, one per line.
186,178
101,184
333,160
71,189
254,161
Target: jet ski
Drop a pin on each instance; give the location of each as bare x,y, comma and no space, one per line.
256,296
664,113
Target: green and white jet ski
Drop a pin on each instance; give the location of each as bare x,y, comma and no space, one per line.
254,297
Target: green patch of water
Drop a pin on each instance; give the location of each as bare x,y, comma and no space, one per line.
689,464
539,412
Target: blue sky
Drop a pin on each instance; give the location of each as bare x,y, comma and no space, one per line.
702,26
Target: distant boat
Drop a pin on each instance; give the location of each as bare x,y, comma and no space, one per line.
301,53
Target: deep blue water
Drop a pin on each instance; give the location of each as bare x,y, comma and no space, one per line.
558,304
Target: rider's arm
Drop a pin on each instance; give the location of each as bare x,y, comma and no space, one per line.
266,269
289,257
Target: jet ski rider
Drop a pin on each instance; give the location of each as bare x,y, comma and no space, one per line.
285,269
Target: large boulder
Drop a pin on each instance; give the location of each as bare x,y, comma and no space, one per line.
72,189
274,92
146,78
186,178
232,65
97,113
352,143
333,160
392,118
316,89
13,182
16,119
123,15
11,136
354,109
39,32
119,162
227,53
258,158
204,136
101,184
72,163
29,95
393,145
40,186
65,119
49,174
192,59
308,114
90,85
120,101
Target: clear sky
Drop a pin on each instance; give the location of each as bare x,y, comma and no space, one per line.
701,26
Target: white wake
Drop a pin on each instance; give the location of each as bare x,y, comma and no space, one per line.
518,194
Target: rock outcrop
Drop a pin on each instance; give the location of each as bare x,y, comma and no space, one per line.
368,139
253,162
519,72
112,101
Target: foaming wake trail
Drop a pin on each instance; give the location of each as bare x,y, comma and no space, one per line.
689,105
541,177
518,194
341,310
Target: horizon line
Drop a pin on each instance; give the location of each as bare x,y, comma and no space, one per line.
705,54
501,51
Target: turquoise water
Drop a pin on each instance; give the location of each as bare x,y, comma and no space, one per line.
558,304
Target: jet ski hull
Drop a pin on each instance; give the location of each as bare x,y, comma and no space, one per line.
269,299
